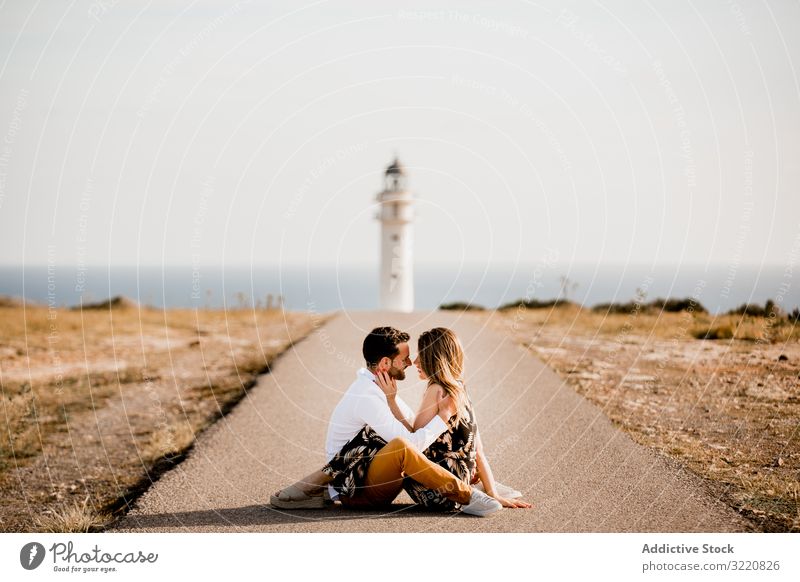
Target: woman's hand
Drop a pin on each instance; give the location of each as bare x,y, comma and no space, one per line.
513,503
387,384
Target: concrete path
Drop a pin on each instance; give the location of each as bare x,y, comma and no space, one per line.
581,473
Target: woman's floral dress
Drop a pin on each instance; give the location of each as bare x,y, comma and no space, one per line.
455,450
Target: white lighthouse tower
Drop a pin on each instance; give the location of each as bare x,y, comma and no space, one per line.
396,214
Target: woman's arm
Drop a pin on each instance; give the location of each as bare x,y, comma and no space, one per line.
429,406
483,469
484,472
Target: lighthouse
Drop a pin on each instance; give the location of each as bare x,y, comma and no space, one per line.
395,213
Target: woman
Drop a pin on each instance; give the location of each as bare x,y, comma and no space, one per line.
459,449
440,361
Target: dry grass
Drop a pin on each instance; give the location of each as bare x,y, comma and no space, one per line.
74,517
729,409
746,328
660,324
18,435
92,401
37,409
168,442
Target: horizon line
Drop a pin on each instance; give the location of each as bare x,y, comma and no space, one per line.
377,265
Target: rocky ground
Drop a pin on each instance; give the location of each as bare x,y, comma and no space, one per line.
729,409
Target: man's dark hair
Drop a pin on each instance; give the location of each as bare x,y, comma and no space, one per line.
382,343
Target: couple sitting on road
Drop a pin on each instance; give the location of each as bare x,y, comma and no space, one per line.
376,447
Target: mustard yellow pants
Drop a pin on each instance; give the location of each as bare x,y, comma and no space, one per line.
399,459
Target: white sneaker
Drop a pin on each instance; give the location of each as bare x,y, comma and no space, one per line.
481,504
502,490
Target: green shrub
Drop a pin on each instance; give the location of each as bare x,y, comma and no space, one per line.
535,303
677,305
668,305
628,307
715,333
755,310
461,306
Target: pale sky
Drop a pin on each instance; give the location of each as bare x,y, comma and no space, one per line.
211,132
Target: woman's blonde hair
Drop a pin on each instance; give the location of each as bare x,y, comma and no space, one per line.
441,357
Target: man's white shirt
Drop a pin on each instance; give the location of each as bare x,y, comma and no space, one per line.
365,403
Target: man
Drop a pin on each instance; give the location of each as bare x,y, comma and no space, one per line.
386,352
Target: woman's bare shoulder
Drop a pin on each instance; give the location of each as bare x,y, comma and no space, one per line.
434,388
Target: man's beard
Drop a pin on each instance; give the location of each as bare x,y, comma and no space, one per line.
397,373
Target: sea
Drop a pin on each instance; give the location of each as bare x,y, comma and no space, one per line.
718,288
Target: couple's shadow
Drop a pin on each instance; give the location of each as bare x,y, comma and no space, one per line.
265,515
